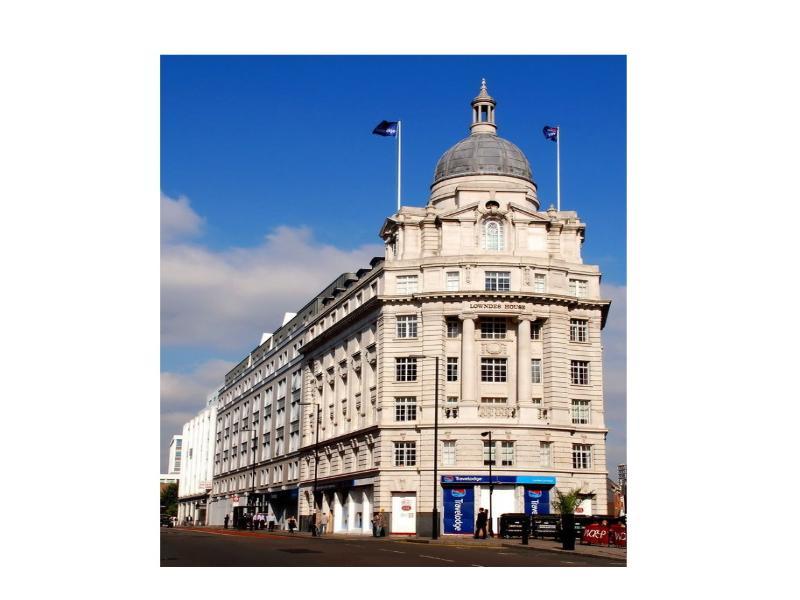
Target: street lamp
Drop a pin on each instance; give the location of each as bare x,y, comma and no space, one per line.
253,491
491,481
316,451
435,512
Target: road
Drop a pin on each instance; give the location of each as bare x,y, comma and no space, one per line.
184,548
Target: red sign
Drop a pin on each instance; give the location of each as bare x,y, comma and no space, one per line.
406,507
595,534
236,498
619,535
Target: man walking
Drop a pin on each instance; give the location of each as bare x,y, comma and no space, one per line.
227,518
480,524
313,524
323,524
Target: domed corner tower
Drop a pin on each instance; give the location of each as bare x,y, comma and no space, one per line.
483,166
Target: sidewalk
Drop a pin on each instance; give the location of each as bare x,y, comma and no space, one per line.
451,540
541,545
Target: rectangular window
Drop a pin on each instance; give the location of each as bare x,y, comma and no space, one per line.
577,287
451,407
448,453
453,328
581,456
406,284
489,453
452,369
453,281
536,370
536,331
539,283
488,400
498,281
580,412
579,372
407,326
507,454
406,369
493,370
405,454
545,454
493,328
359,297
578,330
405,408
373,288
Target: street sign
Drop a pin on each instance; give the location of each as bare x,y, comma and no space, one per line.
236,498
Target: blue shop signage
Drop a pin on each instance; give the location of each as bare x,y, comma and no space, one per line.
497,479
537,501
459,509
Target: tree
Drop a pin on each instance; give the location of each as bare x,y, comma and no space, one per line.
169,500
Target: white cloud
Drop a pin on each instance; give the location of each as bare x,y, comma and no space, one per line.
615,375
183,395
226,299
178,220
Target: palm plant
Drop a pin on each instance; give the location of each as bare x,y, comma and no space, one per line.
566,503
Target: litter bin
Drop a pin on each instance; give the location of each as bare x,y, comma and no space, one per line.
511,524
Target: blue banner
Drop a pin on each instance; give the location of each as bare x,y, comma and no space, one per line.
459,509
498,479
537,501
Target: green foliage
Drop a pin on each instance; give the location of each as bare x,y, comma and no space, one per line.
169,500
566,503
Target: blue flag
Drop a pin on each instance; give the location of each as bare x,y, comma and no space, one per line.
550,133
386,128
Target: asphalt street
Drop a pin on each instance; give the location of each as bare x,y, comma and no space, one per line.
185,548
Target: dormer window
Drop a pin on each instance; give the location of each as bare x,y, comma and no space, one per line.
493,235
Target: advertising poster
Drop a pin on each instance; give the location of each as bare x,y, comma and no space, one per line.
459,509
537,501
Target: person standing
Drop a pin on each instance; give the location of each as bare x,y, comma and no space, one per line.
271,522
323,523
226,520
312,524
292,524
480,524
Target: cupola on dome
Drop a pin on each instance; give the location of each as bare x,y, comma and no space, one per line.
483,152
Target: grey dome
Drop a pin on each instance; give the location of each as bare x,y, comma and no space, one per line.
483,154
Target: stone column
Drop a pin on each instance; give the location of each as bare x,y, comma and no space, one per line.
524,360
469,363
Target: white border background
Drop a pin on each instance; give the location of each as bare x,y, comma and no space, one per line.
712,206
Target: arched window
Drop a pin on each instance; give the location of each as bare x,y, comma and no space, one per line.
493,235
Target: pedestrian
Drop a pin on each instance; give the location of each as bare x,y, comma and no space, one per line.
271,522
225,521
292,524
323,523
381,525
480,524
312,524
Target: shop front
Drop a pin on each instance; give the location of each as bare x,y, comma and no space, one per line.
349,505
463,495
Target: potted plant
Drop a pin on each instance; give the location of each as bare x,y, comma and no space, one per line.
565,504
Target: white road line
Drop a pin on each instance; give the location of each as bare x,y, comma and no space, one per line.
436,558
477,565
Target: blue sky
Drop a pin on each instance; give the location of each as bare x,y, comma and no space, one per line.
270,177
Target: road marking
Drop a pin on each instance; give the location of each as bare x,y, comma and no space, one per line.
395,551
477,565
436,558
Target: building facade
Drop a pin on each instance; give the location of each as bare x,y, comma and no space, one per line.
491,288
175,455
197,464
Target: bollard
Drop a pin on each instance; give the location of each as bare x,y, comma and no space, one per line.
525,532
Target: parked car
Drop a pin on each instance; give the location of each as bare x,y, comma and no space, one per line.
166,520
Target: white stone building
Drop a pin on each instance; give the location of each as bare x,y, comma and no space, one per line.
197,469
493,287
175,455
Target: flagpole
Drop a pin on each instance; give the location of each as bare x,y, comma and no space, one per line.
558,168
399,155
